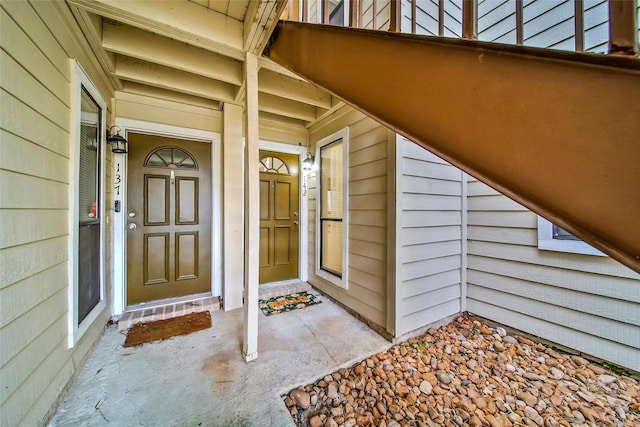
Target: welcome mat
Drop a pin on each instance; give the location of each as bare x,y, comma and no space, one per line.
286,303
141,333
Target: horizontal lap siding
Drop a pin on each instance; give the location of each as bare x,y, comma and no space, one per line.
429,238
366,292
35,120
382,14
588,303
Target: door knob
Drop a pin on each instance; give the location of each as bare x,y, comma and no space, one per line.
132,226
295,222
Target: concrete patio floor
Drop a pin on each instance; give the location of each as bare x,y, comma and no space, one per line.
201,379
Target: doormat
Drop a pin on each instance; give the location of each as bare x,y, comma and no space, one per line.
141,333
286,303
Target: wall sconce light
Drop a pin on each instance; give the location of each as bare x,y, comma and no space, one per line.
307,164
118,143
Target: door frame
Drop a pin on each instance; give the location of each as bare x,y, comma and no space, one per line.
119,170
300,151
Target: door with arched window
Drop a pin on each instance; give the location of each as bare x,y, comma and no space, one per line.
279,216
169,218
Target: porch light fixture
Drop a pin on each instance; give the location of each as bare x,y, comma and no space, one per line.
118,143
307,164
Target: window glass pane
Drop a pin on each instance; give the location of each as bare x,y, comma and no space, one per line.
89,206
332,246
336,12
331,180
170,157
559,233
89,149
273,165
331,212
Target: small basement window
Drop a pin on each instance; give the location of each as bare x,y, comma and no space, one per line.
553,238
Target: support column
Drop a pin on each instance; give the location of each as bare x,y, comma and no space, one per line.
623,36
470,19
252,211
233,182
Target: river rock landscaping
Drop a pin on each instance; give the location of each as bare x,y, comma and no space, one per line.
468,374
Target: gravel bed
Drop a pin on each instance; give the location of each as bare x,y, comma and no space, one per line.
468,374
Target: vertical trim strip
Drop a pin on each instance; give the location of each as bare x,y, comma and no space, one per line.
470,19
464,178
519,23
441,18
395,18
374,20
578,13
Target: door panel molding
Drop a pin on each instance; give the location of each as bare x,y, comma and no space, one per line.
150,253
182,199
187,271
149,211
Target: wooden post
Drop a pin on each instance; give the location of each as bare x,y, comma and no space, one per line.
233,205
395,20
252,211
470,19
623,36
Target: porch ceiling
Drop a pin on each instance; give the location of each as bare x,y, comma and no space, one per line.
193,51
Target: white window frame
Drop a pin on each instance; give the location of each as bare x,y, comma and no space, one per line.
332,278
547,242
76,331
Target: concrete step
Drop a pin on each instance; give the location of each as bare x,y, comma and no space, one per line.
168,311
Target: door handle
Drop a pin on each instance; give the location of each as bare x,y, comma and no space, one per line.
132,226
295,222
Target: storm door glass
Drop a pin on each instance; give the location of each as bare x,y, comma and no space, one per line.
331,212
89,289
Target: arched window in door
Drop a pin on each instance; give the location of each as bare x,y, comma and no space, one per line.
170,157
272,164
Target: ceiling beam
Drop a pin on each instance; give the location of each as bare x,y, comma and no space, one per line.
170,95
286,107
274,66
169,78
140,44
179,19
296,89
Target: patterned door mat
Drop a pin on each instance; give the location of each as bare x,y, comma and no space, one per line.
286,303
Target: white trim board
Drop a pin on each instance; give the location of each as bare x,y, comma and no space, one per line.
120,218
81,80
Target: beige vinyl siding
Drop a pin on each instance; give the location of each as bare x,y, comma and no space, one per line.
155,110
429,233
497,21
588,303
312,11
367,215
36,72
549,24
382,11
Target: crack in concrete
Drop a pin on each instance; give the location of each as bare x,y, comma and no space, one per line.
316,338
